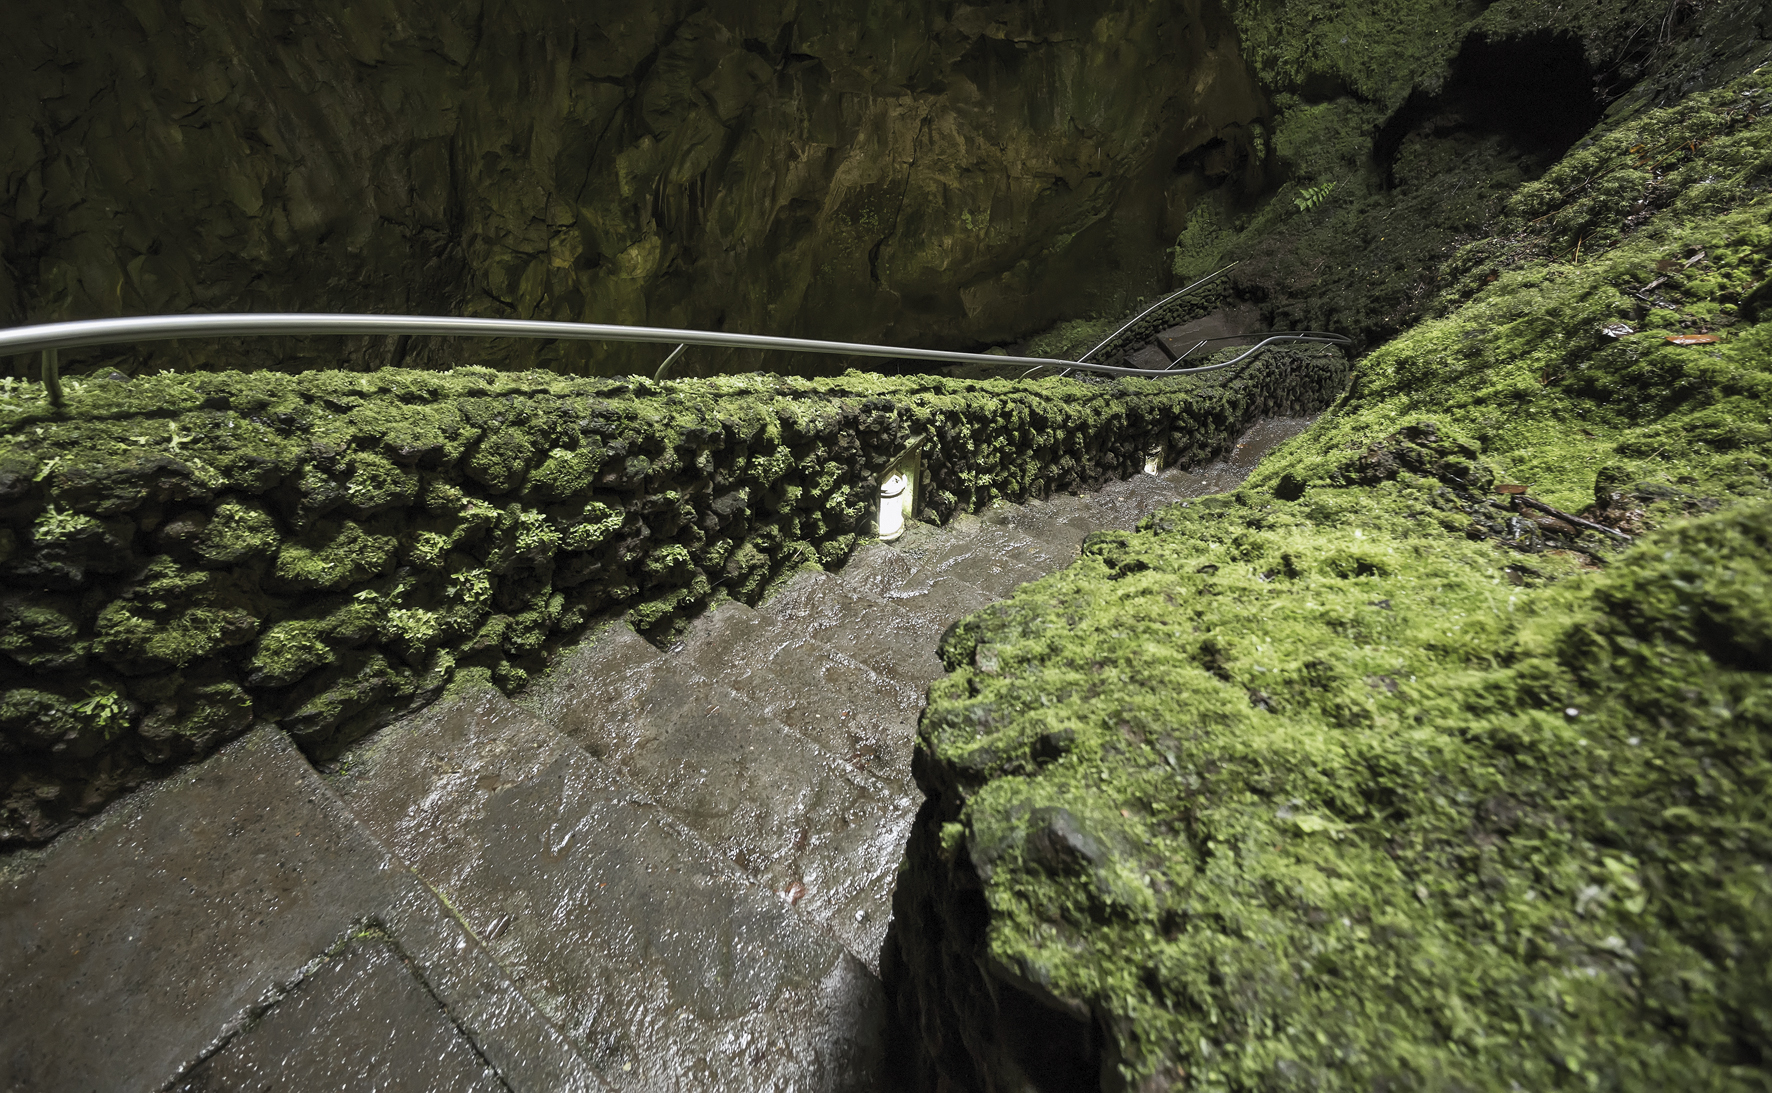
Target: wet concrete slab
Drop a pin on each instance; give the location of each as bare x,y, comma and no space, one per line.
361,1020
139,943
934,605
667,965
789,814
1043,521
1121,505
1071,512
876,568
609,671
996,561
851,711
893,639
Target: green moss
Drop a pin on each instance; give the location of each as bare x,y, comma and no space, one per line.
1202,245
1383,51
203,717
1527,374
333,555
566,473
1705,155
1366,776
501,461
1070,340
1418,824
376,483
289,650
364,684
171,617
67,723
595,524
238,532
59,526
1326,140
42,631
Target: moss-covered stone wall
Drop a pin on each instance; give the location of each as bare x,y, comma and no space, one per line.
181,556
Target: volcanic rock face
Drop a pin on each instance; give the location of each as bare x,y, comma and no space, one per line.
843,170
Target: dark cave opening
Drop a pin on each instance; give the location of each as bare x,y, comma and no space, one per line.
1535,91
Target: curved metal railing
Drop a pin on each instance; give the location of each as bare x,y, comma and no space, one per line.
1171,369
1141,316
49,338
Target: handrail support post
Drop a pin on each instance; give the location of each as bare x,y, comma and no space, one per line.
52,378
675,353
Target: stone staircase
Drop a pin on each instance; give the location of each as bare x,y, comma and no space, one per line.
662,870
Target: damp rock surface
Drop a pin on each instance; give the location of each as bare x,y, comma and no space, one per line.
1435,754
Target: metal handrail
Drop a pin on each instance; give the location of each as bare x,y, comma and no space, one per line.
1136,319
51,337
1296,336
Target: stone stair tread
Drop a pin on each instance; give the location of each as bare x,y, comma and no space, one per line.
612,669
936,605
877,568
148,938
996,561
360,1021
1119,506
1071,511
789,814
847,708
1220,477
1040,520
669,967
920,540
886,635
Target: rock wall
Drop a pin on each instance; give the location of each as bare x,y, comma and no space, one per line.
932,172
183,556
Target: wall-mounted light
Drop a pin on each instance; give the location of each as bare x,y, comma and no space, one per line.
898,492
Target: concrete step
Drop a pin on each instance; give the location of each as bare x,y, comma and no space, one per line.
1121,505
667,967
895,637
199,930
361,1020
1042,520
842,705
876,569
806,822
1070,511
996,561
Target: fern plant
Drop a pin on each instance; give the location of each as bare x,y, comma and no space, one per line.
1309,199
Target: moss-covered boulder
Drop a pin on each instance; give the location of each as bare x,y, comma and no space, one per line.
1436,757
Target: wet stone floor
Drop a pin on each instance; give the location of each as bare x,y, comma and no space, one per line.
657,870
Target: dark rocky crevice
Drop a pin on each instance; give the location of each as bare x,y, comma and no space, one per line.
960,1020
1536,92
